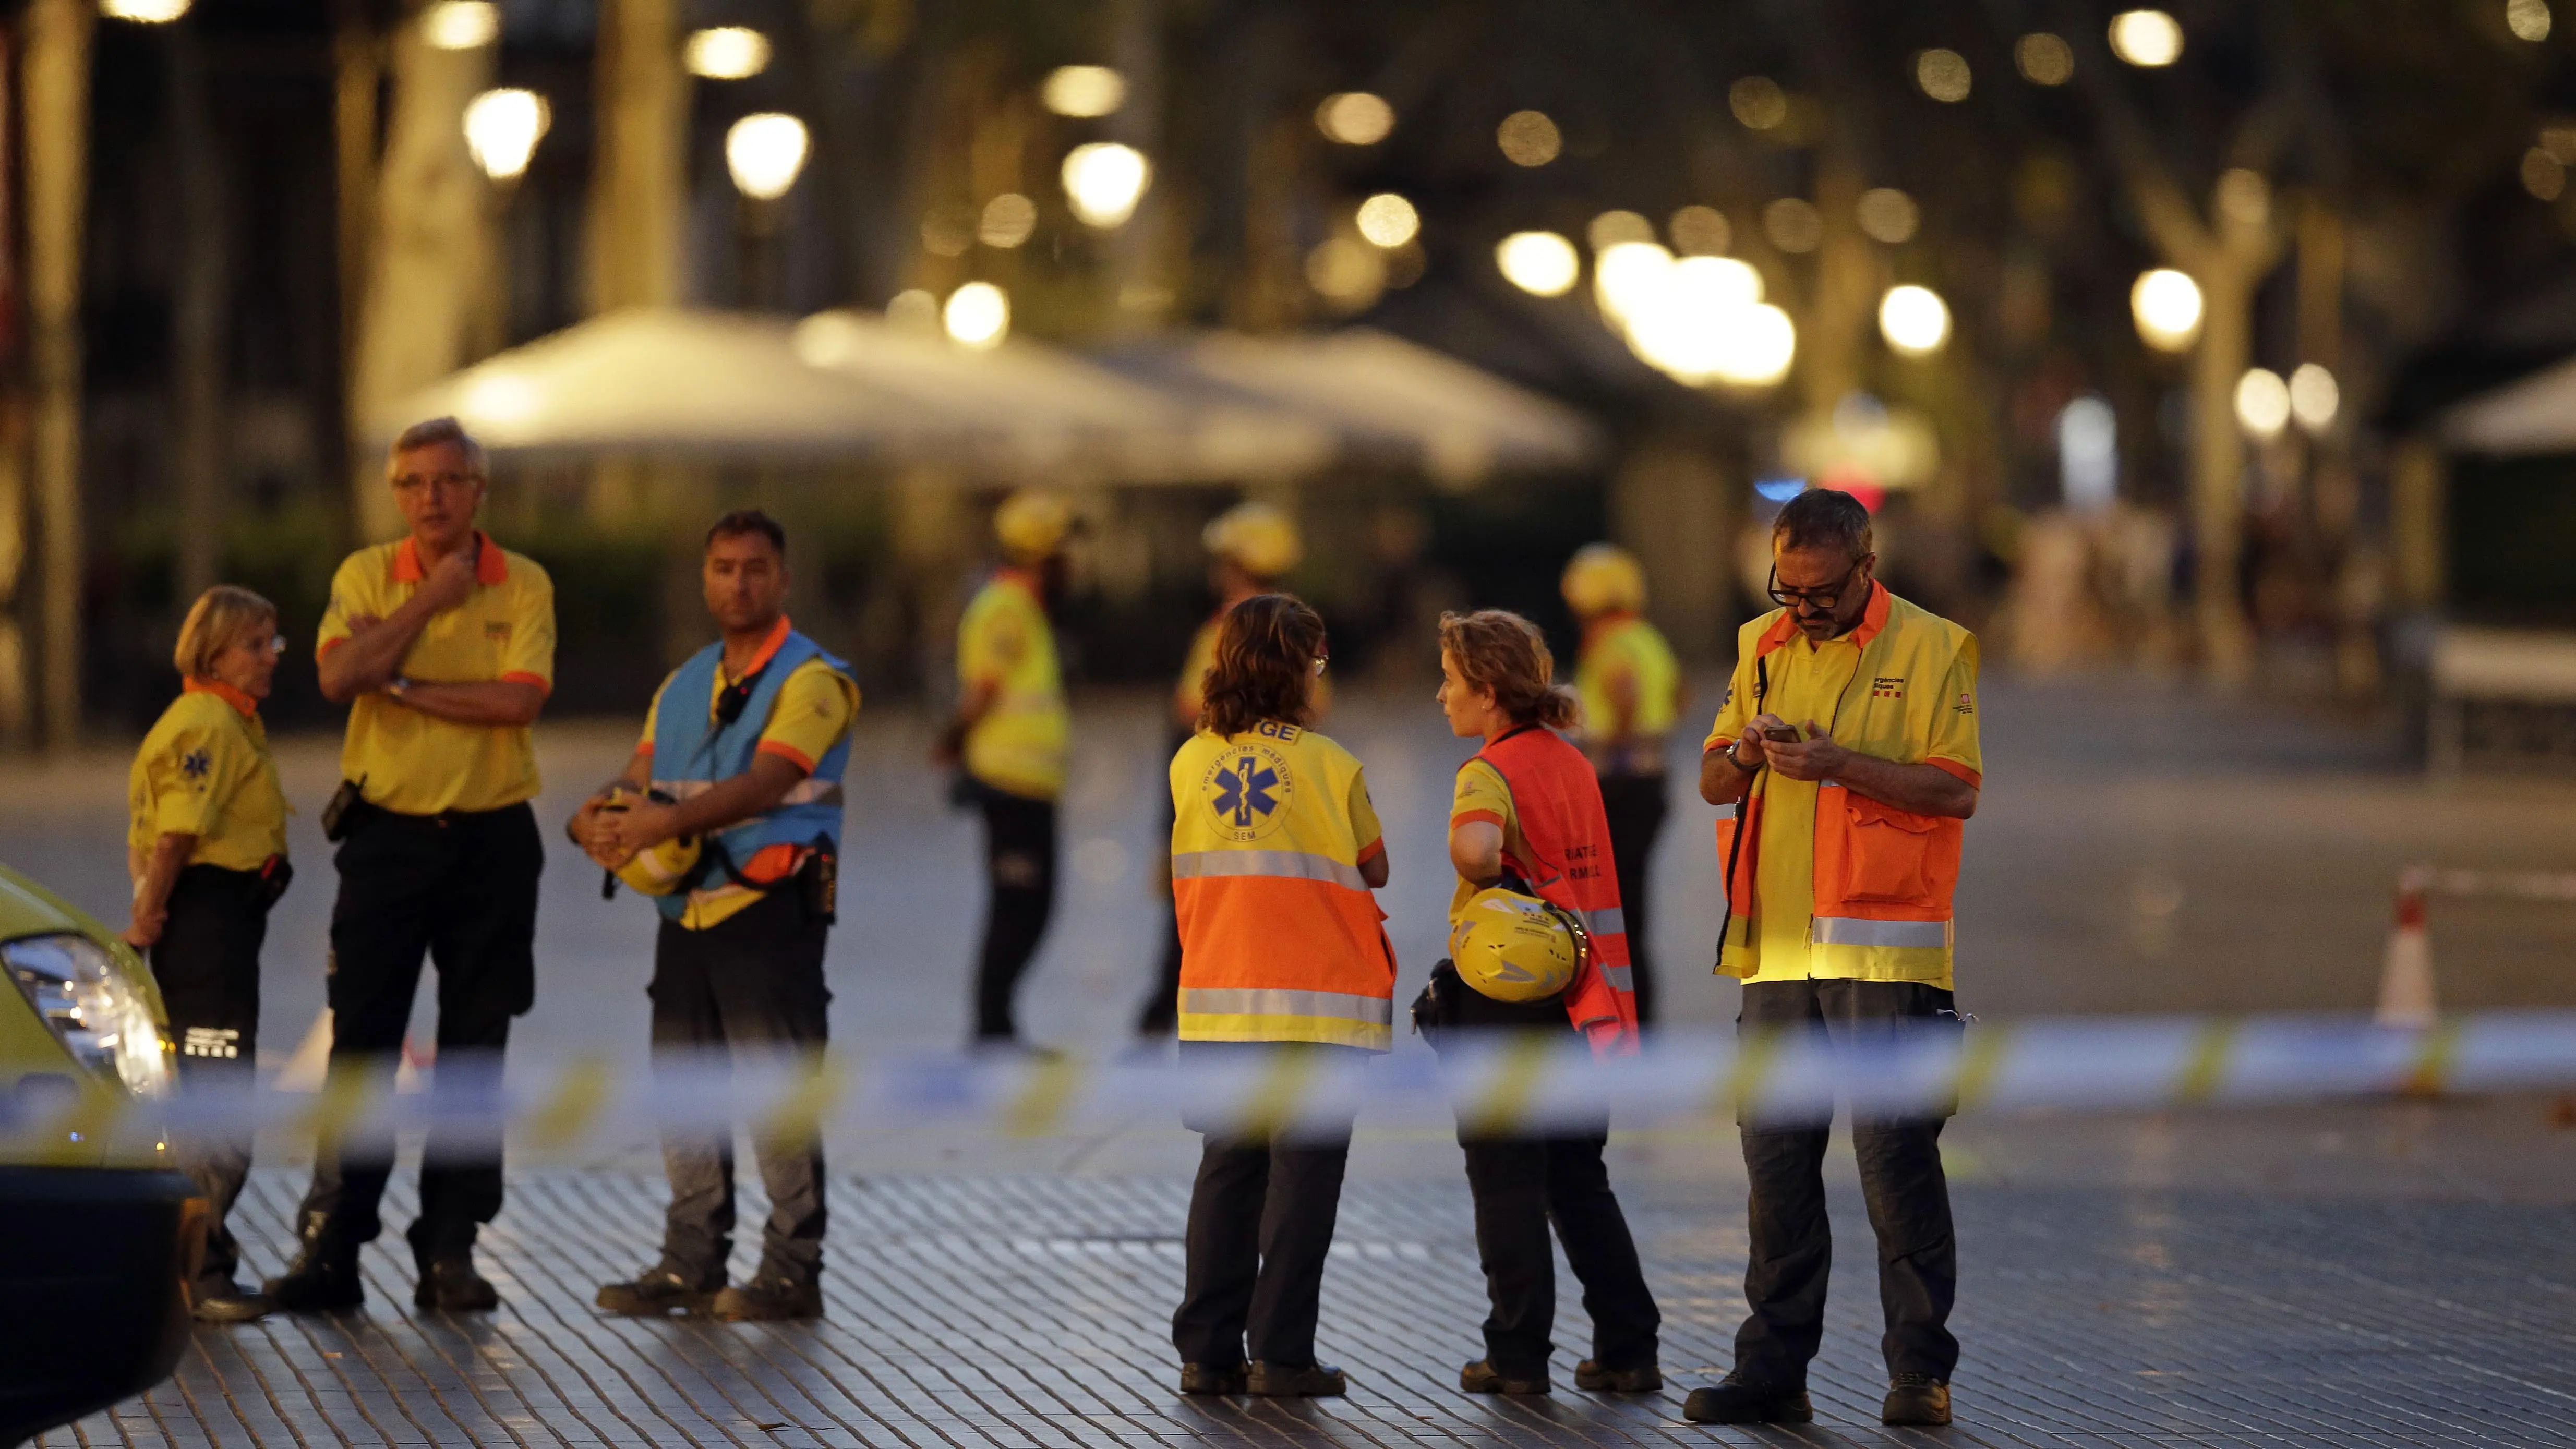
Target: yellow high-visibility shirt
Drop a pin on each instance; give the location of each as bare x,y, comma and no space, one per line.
1808,681
1626,648
205,770
1004,641
816,705
1482,794
505,630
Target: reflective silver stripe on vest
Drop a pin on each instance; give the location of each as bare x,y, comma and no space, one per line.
808,791
1851,931
1610,922
1620,977
1286,864
1273,1001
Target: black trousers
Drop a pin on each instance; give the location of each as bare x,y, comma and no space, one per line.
1260,1230
1523,1186
1636,805
207,966
1019,865
1792,1247
754,979
460,889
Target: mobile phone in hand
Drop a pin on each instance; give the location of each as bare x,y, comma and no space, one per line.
1785,734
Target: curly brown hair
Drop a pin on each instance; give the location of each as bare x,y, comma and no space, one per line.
1499,650
1266,651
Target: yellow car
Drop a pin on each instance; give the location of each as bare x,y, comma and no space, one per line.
97,1230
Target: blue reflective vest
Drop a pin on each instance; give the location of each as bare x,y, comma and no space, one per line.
692,751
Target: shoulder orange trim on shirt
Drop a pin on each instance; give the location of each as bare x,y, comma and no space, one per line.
1372,850
248,707
1490,817
787,752
1872,619
521,676
1953,767
491,566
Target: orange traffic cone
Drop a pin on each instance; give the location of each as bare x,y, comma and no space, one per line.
2406,977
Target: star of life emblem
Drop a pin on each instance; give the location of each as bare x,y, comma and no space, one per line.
1247,790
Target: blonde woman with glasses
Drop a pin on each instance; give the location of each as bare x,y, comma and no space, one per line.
206,845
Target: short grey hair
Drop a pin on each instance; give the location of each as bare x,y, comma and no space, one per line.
1823,518
442,430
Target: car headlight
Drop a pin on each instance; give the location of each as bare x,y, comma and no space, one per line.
98,1013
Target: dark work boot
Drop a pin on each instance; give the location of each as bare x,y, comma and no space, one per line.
449,1284
1590,1376
1296,1381
324,1275
656,1293
1481,1377
1738,1400
224,1301
1916,1399
769,1300
1223,1380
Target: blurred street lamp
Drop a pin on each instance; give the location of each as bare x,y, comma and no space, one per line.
1888,215
1914,320
978,315
1613,227
1793,225
461,24
1529,138
1083,91
2146,38
1943,75
143,12
1388,220
1540,263
1758,347
2044,59
1758,102
1355,118
765,151
1627,278
1701,231
2527,19
1008,220
1104,180
2314,397
727,52
2262,403
2166,305
914,310
502,128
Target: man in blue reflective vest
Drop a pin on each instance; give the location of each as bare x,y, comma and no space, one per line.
742,754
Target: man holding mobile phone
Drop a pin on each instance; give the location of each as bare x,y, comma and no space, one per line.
1845,758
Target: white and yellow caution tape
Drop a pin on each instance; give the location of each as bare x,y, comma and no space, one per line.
1494,1084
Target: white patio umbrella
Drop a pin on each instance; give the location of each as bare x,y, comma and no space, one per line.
2535,414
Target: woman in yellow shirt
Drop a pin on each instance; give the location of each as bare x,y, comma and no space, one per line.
206,845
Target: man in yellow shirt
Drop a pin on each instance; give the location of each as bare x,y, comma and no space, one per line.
1631,690
443,646
1848,743
1008,743
747,743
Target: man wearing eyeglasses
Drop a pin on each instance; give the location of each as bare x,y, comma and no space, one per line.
1846,757
442,645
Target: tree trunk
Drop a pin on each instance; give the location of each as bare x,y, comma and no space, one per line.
639,187
2218,471
433,254
56,98
197,321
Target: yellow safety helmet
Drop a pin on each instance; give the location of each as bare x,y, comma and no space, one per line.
1258,538
1032,524
1601,578
1513,947
662,869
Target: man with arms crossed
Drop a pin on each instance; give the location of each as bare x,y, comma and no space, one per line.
746,743
1848,742
443,647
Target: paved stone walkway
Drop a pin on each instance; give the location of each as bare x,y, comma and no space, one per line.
1026,1310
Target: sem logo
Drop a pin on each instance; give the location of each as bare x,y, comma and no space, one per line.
1965,704
1247,790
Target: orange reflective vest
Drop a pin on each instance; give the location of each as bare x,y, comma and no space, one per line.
1556,802
1281,938
1883,877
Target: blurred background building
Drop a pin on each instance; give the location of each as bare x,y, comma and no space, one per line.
2215,340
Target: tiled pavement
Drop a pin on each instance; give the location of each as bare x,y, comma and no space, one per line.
1031,1310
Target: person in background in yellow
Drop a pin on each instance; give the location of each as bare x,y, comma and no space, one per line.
443,647
206,845
747,743
1631,691
1252,546
1007,743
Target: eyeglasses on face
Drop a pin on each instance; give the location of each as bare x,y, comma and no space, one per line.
414,482
1823,600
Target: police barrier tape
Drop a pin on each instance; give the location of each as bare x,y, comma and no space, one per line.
1495,1083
